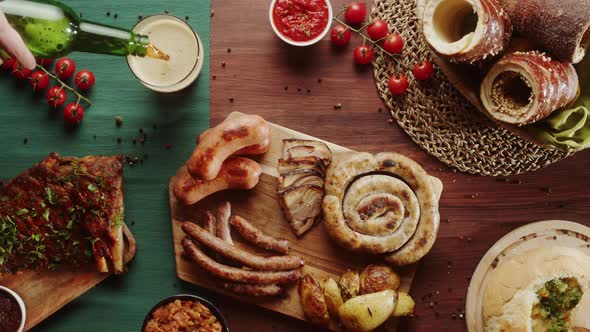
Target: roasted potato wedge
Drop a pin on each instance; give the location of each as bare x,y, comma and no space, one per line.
332,296
312,300
375,278
404,306
366,312
349,284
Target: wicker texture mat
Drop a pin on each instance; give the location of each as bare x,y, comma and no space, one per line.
438,118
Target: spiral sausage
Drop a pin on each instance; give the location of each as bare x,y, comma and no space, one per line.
382,204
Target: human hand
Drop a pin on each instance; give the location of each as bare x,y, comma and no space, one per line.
12,43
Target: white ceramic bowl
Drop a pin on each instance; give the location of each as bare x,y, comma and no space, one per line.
21,304
300,43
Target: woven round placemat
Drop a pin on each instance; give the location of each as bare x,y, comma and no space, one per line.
438,118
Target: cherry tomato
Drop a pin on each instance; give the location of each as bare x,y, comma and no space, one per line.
398,84
56,96
39,80
363,54
393,44
378,29
355,13
423,70
7,64
20,72
84,80
65,68
73,113
340,35
45,61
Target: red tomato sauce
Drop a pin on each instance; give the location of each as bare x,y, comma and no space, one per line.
300,20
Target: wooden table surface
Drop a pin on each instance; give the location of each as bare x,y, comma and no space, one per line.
254,72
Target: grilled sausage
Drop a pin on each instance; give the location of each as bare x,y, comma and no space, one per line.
255,236
276,263
223,215
217,144
236,274
210,222
236,173
253,290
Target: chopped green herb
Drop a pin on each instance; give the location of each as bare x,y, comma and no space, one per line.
22,211
70,224
46,214
100,182
4,198
556,299
8,233
49,196
92,188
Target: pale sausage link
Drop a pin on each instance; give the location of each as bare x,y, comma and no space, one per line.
236,274
256,237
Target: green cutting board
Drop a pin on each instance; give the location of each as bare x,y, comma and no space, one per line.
121,302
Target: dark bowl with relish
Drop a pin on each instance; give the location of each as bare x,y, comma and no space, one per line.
12,311
175,310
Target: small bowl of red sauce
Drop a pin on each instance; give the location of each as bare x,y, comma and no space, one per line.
300,22
12,311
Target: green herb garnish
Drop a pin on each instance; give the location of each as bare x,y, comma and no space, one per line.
46,214
49,196
557,298
8,232
22,211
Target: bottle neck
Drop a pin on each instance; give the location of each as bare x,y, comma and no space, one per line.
97,38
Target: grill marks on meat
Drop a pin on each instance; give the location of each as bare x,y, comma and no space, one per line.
63,211
241,272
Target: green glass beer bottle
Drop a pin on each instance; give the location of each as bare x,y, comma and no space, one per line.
50,29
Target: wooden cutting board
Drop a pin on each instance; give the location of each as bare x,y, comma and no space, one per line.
323,258
531,236
45,292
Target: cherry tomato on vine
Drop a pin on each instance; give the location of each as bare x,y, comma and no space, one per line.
45,61
398,84
84,80
423,71
393,44
73,113
19,71
56,96
355,13
363,55
340,35
39,80
7,64
65,68
378,29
